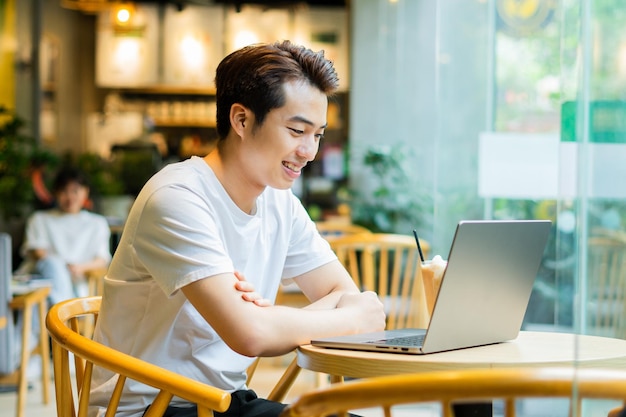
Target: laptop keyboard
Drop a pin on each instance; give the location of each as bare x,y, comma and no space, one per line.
409,341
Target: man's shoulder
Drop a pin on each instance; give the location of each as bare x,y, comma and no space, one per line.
189,173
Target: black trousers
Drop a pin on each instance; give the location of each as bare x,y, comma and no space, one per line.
244,403
473,410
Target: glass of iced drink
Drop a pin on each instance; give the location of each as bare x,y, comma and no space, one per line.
432,272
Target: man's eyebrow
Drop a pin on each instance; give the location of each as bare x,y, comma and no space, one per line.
302,119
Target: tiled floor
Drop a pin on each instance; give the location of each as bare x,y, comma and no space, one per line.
270,370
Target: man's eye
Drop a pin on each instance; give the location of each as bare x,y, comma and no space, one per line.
296,131
319,136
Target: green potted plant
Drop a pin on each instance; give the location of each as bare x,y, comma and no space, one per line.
23,162
108,189
391,201
104,176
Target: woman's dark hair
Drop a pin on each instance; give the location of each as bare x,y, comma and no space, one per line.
254,77
67,175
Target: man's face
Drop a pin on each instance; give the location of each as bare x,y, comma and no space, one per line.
288,139
72,198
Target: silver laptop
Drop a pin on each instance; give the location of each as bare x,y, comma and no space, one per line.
483,296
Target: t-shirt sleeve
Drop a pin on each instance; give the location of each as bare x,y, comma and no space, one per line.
308,250
179,242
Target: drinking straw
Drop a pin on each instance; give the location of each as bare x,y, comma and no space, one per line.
419,248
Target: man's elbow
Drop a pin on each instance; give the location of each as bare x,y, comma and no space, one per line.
252,343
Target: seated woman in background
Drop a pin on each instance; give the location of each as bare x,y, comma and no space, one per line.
64,242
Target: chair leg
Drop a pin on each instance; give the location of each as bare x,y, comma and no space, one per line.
336,379
285,383
22,383
321,380
44,351
252,369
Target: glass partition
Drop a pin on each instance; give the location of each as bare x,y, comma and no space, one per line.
507,110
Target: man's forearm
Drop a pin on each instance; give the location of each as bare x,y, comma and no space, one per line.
278,330
289,327
325,303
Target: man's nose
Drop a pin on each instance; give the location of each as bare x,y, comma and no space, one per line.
308,148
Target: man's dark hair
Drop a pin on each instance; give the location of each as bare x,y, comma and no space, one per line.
254,77
67,175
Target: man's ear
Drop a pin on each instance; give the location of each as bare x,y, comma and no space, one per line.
239,117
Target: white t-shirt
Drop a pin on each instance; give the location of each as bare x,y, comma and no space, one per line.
184,227
76,238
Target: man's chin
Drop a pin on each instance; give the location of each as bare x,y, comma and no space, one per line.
283,185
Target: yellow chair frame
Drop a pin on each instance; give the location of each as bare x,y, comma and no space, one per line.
65,322
33,302
455,386
332,229
63,326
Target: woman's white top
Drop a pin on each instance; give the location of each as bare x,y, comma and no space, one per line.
74,237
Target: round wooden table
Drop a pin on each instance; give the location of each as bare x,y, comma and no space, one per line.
529,349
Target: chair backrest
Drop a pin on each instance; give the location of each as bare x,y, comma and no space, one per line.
456,386
389,265
95,281
331,229
8,352
606,286
72,393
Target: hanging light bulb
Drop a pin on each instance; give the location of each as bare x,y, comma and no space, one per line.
123,14
126,19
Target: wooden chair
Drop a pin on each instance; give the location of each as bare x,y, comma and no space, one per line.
72,393
95,287
606,286
451,387
95,281
389,265
25,304
332,229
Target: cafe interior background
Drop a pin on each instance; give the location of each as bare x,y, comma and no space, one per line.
448,110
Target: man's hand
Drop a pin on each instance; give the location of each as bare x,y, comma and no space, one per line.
369,310
248,293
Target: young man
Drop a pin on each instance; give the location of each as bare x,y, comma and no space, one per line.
63,243
175,293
